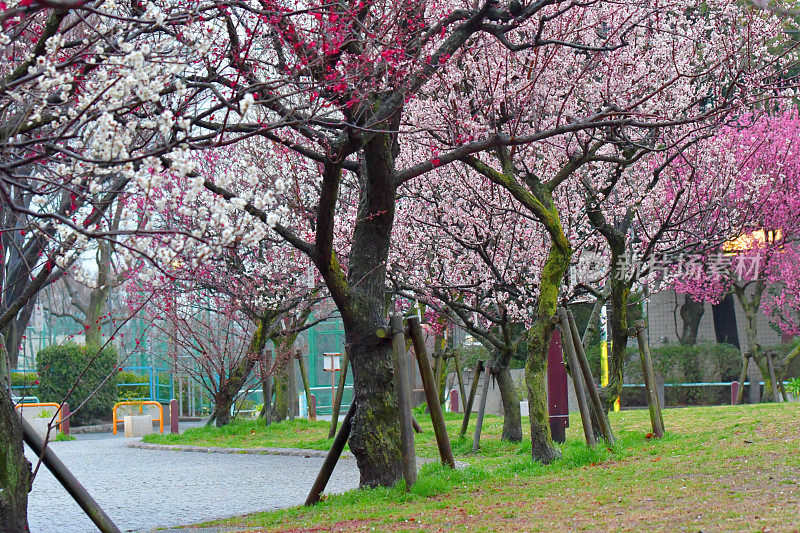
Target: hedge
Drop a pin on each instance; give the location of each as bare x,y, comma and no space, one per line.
59,367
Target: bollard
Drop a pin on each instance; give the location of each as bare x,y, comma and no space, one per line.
454,401
174,415
557,389
65,418
734,392
312,407
461,389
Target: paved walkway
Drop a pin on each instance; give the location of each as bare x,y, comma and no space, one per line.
145,489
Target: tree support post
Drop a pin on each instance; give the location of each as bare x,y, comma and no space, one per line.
742,377
332,458
656,419
403,400
473,390
292,388
65,477
337,400
306,386
577,379
476,440
599,412
776,395
431,391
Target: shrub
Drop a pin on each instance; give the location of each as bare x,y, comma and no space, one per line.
59,368
794,388
24,383
703,362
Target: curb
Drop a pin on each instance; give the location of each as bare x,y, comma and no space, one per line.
99,428
291,452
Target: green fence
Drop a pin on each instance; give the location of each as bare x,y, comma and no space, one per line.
326,337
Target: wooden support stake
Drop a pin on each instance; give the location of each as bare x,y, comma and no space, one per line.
292,388
588,380
462,397
266,389
337,400
473,390
649,380
69,482
332,458
304,376
776,395
431,392
476,440
577,379
403,401
742,377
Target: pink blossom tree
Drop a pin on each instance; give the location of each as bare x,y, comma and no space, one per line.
752,218
462,248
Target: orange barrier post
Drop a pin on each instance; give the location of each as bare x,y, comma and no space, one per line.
141,410
47,404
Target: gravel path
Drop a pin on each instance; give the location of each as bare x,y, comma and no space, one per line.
145,489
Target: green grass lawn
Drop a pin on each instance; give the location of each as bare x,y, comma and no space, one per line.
717,469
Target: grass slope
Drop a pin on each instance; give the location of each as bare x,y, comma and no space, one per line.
717,469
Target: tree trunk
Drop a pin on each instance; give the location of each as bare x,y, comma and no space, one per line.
15,330
512,419
750,306
15,470
266,389
222,409
229,388
280,388
542,448
375,434
691,313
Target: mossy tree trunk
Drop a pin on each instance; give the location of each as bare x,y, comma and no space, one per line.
750,305
537,197
619,288
15,470
542,447
280,389
375,435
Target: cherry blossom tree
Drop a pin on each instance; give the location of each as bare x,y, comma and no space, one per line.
462,248
760,171
398,100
